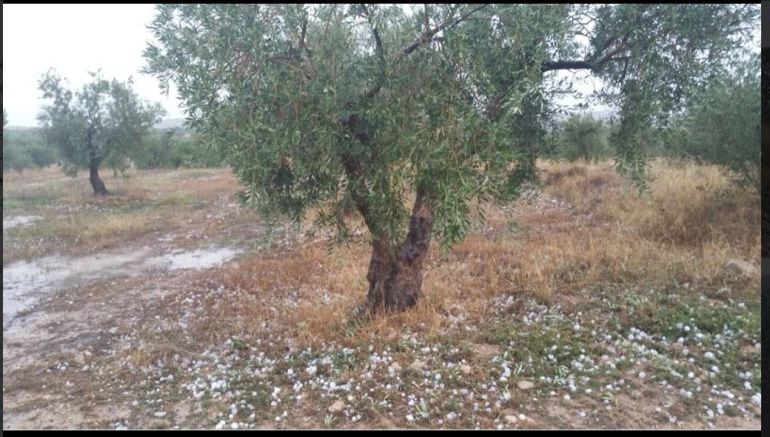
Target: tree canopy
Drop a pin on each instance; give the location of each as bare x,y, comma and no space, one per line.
316,105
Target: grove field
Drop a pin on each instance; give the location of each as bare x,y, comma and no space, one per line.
582,305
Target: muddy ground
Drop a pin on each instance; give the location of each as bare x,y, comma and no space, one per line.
143,325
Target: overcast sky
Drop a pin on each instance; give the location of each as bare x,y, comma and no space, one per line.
76,39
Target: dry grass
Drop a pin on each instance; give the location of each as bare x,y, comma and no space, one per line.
142,206
683,231
688,205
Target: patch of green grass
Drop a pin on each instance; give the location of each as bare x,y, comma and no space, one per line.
28,202
178,200
301,360
344,362
330,421
238,344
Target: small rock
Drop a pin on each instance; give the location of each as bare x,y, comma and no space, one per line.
525,385
80,359
486,350
466,369
417,365
395,366
511,418
740,267
748,351
336,407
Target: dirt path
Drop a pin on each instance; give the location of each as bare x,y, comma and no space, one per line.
59,306
65,313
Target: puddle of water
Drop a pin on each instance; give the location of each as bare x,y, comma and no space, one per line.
22,279
25,281
19,220
197,259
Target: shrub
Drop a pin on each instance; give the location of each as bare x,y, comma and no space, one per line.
583,137
722,127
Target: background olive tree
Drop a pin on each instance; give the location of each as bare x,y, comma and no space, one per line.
433,106
103,122
583,137
722,125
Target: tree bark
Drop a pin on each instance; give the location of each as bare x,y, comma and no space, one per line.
96,181
395,274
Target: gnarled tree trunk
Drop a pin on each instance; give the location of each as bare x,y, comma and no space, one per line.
395,274
93,165
96,181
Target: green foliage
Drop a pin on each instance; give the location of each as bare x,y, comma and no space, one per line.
173,149
156,152
103,122
656,57
23,149
327,104
722,125
14,158
191,150
583,137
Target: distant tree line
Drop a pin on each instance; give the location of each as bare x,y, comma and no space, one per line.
26,149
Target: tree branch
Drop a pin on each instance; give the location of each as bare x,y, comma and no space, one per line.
588,64
355,173
303,32
426,37
423,39
380,54
566,65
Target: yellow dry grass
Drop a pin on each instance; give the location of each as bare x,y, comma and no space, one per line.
683,231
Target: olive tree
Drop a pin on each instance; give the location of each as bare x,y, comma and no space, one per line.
432,105
105,121
583,137
722,126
